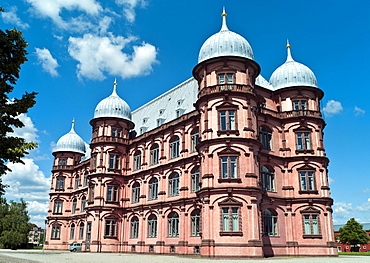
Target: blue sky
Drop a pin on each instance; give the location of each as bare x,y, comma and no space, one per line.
78,47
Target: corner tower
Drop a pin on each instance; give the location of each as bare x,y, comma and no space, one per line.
227,103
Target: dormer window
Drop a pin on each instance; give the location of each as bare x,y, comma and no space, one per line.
299,104
62,161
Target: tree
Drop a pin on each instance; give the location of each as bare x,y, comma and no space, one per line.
12,56
353,234
14,223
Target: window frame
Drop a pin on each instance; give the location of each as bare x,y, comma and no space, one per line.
112,193
111,228
307,181
83,204
137,160
77,182
270,223
134,227
195,179
227,161
72,231
74,206
58,207
114,161
173,224
268,179
135,193
174,184
174,145
265,136
59,184
62,161
195,218
314,227
195,139
81,231
152,226
153,189
226,78
154,154
55,232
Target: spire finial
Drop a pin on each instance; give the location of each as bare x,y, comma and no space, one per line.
224,25
115,87
289,55
73,125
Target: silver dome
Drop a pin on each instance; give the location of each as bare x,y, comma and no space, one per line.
292,74
113,106
70,142
225,43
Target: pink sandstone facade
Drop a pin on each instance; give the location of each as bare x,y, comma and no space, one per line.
241,174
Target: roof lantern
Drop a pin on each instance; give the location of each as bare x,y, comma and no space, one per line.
113,106
70,142
292,74
225,43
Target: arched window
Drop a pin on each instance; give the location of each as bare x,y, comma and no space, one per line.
152,226
74,206
195,180
194,139
154,154
268,179
174,147
195,222
173,224
136,192
82,230
270,223
134,227
265,138
174,184
72,232
137,160
153,189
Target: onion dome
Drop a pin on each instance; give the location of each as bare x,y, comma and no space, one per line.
292,74
225,43
113,106
70,142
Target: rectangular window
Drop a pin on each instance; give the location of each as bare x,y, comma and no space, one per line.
227,120
86,179
77,182
137,162
116,132
91,193
134,228
112,193
229,167
153,189
152,226
110,228
136,193
195,224
303,141
114,161
55,232
175,148
58,207
194,141
230,219
83,204
307,180
227,78
62,161
154,155
59,184
72,233
300,105
82,230
311,224
195,181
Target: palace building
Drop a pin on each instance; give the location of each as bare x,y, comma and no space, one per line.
226,164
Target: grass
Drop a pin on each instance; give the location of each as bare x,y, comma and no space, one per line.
355,253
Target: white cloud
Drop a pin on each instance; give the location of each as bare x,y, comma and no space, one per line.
28,132
359,111
332,107
98,55
48,63
12,18
129,8
53,9
344,211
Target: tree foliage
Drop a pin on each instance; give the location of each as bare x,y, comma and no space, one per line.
14,223
352,233
12,56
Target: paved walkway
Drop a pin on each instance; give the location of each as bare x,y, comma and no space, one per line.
34,256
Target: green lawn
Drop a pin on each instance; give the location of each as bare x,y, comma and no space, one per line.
355,253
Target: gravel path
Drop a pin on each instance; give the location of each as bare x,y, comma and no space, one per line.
25,256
